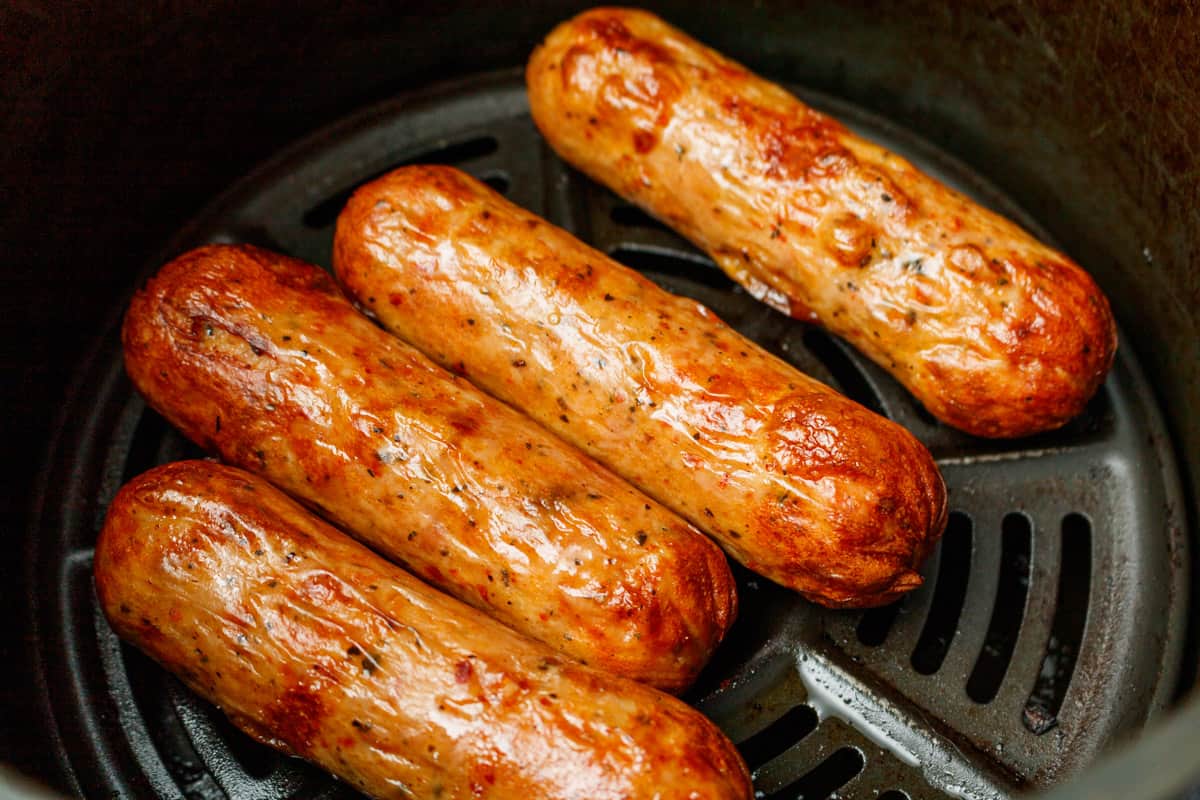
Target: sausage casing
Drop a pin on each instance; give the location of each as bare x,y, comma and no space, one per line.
793,479
259,357
314,645
994,332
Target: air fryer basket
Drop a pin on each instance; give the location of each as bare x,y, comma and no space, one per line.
1031,646
1053,621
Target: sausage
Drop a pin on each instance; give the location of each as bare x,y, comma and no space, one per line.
258,357
794,480
995,333
316,646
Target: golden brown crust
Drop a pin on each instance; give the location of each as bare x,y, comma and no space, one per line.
995,333
793,479
259,358
318,647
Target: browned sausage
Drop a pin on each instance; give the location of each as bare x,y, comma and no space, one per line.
318,647
260,358
796,481
994,332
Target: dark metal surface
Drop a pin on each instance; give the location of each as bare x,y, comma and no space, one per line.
123,118
1032,646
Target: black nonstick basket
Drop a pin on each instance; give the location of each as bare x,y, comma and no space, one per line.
1053,625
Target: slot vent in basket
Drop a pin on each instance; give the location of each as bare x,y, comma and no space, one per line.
873,628
773,740
634,217
826,778
699,270
948,596
325,213
1066,632
1009,611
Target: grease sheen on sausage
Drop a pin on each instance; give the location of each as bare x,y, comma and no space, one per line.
793,479
994,332
260,358
316,646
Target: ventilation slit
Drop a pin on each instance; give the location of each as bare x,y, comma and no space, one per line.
849,377
634,217
325,213
988,674
699,270
762,604
824,779
777,737
497,180
151,691
258,760
875,624
948,596
1066,631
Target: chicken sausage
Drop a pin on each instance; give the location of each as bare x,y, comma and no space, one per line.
994,332
258,357
314,645
796,481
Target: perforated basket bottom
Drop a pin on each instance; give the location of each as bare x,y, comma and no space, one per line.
1049,624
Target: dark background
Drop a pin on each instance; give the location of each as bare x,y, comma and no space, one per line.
118,124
